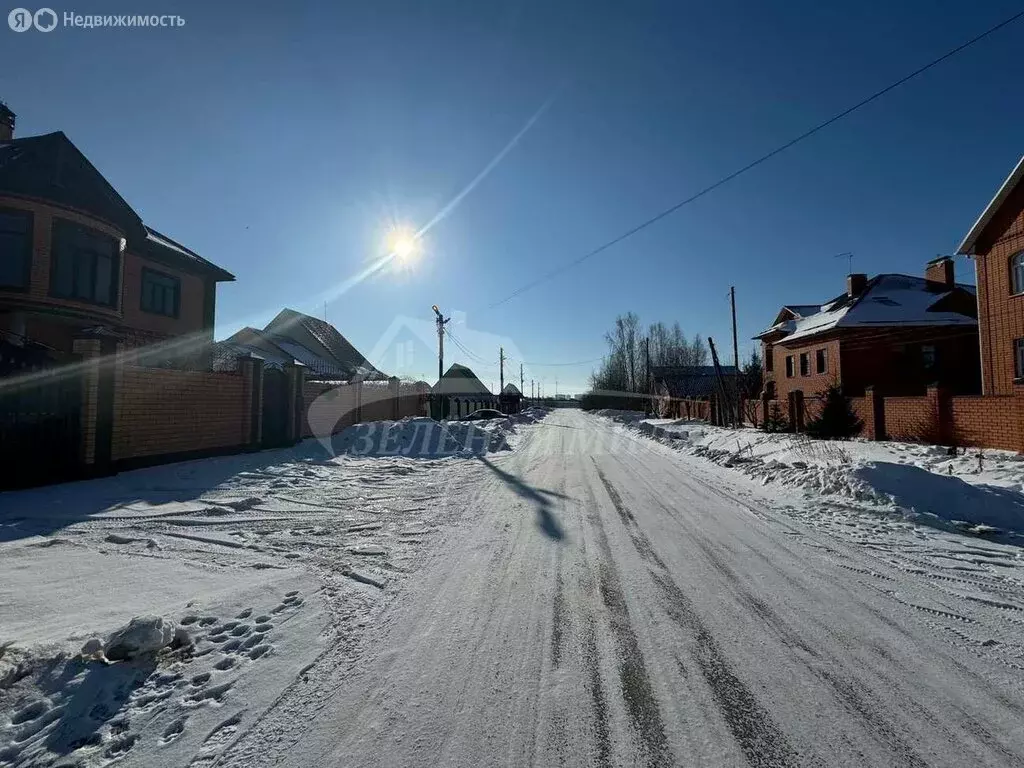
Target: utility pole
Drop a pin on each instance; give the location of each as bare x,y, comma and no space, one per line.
735,352
521,388
501,361
532,396
441,322
648,409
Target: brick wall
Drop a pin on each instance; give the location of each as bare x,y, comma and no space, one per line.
988,422
1000,313
911,418
190,315
159,411
126,310
809,384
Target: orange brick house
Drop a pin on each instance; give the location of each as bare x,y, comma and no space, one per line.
74,256
996,242
898,334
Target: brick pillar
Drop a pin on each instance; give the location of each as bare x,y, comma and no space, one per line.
251,370
942,408
294,375
874,424
89,351
393,390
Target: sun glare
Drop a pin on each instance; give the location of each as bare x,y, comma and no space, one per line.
404,245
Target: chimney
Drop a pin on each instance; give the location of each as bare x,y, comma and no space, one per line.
6,123
855,284
941,272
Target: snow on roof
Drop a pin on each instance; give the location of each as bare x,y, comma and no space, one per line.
888,300
164,241
804,310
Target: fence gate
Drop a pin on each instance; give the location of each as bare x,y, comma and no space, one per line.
275,408
40,417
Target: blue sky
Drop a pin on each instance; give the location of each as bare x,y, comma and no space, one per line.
281,140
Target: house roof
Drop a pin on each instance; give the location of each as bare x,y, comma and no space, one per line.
888,300
511,389
337,358
50,167
970,241
460,380
692,381
161,247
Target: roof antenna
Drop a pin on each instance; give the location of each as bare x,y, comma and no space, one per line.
325,311
849,260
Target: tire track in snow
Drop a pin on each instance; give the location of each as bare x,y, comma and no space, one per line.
762,742
634,682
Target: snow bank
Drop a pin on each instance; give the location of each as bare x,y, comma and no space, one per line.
976,491
424,438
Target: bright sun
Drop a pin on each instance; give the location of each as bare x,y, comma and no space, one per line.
404,247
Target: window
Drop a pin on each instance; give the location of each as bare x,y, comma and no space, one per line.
1017,273
1018,358
15,248
85,264
769,358
161,294
821,361
928,356
805,363
789,366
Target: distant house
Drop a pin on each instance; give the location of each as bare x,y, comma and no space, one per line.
458,393
897,333
76,258
510,399
996,241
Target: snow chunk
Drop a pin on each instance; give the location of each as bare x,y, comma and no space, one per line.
144,634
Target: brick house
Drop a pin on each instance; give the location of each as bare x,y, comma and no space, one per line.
896,333
75,256
996,242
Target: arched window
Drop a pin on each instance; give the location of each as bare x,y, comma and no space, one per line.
1017,273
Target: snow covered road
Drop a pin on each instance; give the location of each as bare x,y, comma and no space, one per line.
595,598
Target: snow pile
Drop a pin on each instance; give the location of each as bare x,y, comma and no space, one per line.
422,437
142,635
530,415
623,417
976,491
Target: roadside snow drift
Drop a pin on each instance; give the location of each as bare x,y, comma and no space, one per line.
976,491
422,437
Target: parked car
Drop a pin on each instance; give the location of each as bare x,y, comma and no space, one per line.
484,413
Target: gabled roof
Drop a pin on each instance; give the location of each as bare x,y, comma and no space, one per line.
970,241
511,389
460,380
335,356
50,167
888,300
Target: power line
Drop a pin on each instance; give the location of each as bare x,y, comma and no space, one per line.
558,365
749,166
